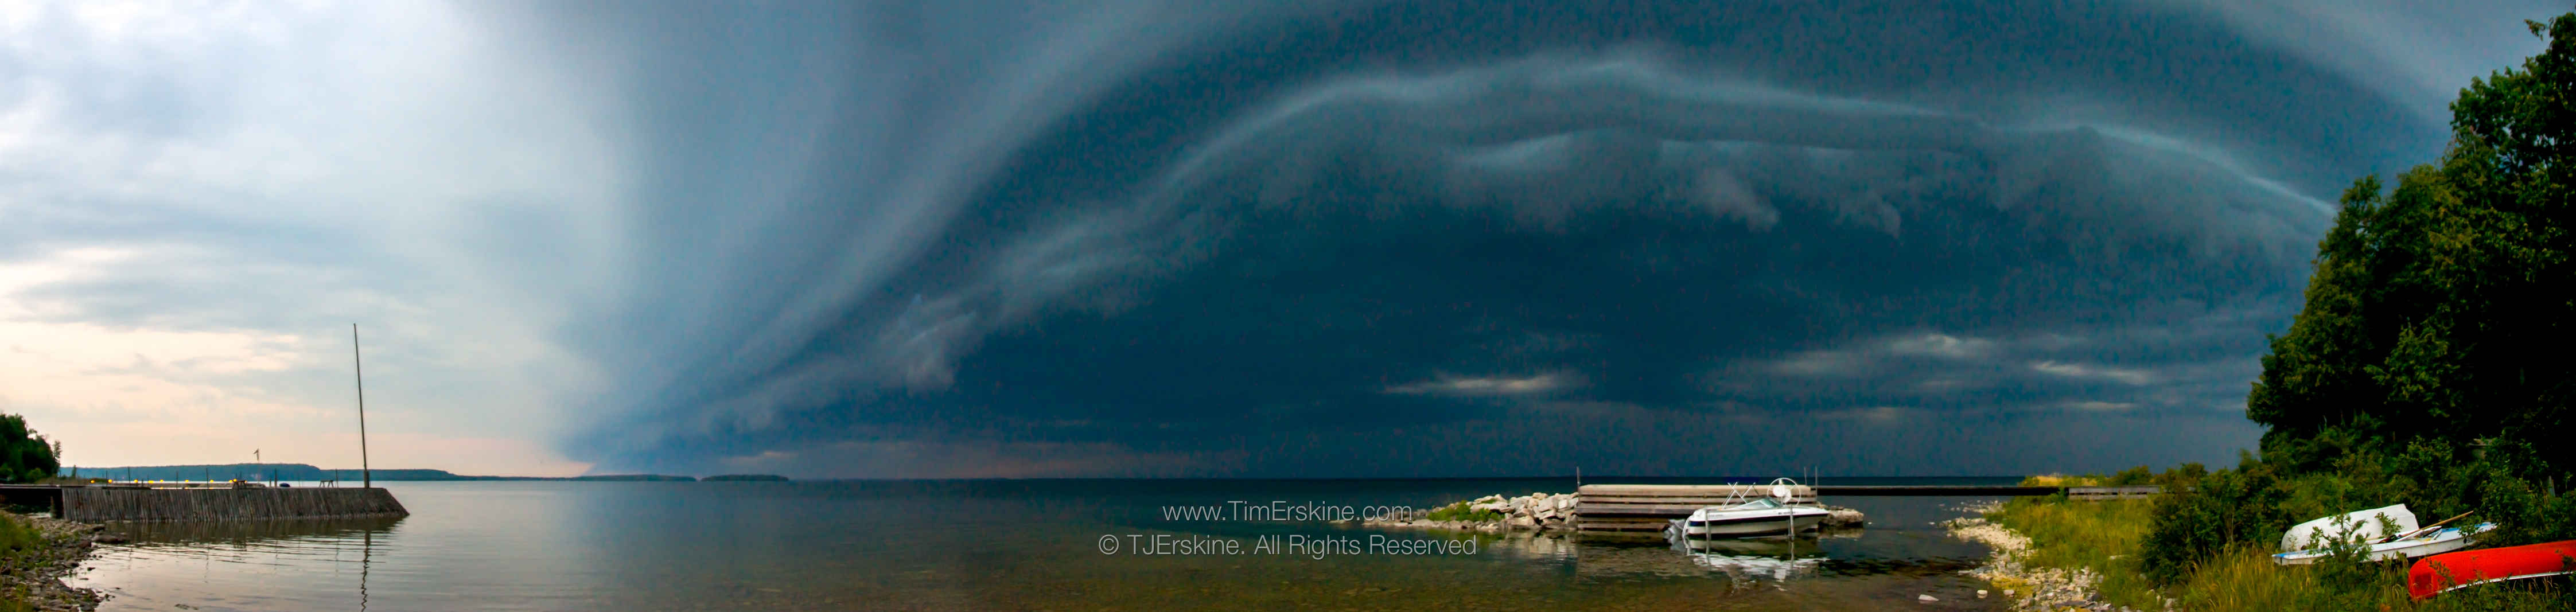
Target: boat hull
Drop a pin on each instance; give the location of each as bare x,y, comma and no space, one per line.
1749,527
2437,542
2363,524
2454,570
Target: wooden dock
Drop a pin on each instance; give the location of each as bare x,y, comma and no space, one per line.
1630,507
137,502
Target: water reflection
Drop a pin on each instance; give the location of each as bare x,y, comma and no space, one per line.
366,557
969,546
243,532
1778,559
288,544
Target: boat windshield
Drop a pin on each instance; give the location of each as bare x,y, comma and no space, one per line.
1759,504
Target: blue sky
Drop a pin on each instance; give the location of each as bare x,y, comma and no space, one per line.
1140,238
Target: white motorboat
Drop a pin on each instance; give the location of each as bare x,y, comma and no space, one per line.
2425,542
1759,517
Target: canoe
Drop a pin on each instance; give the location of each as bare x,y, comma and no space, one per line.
2363,523
2431,542
2443,572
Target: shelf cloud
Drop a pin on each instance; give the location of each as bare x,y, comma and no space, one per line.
1158,238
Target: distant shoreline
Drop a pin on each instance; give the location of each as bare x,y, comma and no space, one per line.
304,472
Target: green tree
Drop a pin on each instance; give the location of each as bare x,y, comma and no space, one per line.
25,456
2432,362
2442,309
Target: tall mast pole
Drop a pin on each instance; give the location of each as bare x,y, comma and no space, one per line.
366,473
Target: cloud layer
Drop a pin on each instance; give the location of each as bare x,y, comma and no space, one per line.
1148,237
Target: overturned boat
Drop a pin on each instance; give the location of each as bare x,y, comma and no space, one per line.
2364,525
2455,570
2405,545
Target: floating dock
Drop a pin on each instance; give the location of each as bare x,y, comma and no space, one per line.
1648,507
118,502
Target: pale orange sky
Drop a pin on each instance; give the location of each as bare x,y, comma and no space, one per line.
188,261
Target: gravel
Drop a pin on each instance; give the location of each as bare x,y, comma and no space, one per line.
36,577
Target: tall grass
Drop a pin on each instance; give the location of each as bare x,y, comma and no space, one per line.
2105,537
21,549
18,537
2102,536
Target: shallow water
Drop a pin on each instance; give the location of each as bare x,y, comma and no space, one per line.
996,545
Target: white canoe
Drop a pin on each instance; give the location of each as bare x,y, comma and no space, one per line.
2431,542
2363,523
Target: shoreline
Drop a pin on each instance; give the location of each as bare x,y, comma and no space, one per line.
35,577
2006,567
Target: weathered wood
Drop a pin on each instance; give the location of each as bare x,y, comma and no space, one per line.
1627,507
1702,500
1936,490
2103,493
1648,507
1599,523
1715,490
99,504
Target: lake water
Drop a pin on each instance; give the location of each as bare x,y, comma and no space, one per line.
999,545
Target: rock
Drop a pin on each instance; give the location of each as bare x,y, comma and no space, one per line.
1926,598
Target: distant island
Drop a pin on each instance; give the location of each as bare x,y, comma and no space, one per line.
299,471
745,477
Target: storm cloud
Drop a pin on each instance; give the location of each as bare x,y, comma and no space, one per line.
1244,240
1150,238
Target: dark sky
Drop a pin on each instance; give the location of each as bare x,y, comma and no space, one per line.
990,238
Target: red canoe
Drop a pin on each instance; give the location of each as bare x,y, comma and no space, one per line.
2474,567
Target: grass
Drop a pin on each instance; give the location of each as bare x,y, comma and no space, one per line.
2105,537
17,536
2062,480
20,545
1460,512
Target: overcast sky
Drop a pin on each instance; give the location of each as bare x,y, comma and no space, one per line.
965,238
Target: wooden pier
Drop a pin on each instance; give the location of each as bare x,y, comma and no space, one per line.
1631,507
137,502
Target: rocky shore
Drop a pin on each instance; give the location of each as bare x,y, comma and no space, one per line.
2029,588
35,577
1542,512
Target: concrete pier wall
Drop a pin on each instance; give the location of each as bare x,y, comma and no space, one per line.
98,504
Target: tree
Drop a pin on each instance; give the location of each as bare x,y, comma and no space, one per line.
25,456
2443,309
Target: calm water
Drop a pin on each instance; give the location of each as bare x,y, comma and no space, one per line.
992,545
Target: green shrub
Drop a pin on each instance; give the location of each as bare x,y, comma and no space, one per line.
1461,512
2227,509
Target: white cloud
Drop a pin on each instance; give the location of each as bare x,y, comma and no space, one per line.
2099,406
1483,386
1936,344
2073,370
